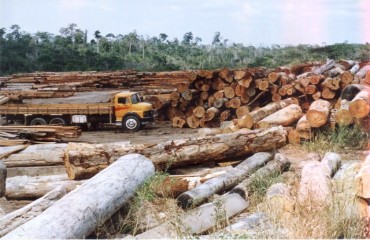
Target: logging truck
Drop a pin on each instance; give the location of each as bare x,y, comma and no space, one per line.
125,109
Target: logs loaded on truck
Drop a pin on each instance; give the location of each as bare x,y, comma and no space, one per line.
126,109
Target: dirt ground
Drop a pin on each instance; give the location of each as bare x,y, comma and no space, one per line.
151,134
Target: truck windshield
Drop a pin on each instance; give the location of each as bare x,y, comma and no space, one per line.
135,98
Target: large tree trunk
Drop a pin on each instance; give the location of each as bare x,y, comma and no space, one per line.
284,117
7,151
223,183
315,186
37,155
318,113
200,219
272,168
25,187
78,213
18,217
85,160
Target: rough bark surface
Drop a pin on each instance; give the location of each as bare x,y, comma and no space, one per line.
78,213
18,217
85,160
25,187
223,183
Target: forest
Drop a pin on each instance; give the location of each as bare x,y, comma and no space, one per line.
71,50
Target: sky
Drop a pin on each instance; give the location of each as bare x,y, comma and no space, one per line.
251,22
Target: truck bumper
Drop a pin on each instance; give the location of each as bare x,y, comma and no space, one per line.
147,120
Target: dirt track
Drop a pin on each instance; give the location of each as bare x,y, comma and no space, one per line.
159,132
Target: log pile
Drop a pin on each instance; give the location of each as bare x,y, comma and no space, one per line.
64,84
14,135
221,95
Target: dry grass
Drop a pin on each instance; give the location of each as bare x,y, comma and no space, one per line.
342,139
152,205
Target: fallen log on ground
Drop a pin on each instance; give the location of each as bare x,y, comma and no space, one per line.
18,217
85,160
200,219
25,187
254,222
48,154
7,151
223,183
272,168
178,184
315,188
78,213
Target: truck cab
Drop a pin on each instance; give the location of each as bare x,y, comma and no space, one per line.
131,112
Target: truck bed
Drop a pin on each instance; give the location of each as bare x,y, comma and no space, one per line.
48,109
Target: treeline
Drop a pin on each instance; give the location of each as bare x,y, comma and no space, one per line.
72,51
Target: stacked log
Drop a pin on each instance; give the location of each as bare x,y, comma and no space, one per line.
47,133
235,92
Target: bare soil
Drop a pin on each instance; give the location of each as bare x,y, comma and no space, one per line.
151,134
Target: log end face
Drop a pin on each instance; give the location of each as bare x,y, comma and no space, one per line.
185,201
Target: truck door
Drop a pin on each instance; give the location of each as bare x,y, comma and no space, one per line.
121,107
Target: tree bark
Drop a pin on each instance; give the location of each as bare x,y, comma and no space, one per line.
25,188
318,113
272,168
269,109
284,117
85,160
18,217
200,219
37,155
78,213
223,183
327,66
315,186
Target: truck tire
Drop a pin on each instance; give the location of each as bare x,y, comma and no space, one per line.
57,121
38,121
131,123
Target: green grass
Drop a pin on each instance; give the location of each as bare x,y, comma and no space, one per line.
338,140
259,185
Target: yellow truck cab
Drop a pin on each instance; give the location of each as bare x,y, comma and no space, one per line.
131,112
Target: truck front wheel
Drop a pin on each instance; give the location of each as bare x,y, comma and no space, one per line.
131,123
38,121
